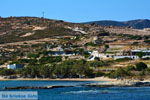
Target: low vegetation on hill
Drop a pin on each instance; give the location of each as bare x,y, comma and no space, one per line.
39,44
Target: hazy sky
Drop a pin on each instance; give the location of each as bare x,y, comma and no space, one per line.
78,10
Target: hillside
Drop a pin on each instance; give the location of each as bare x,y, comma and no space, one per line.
137,24
14,29
19,29
40,43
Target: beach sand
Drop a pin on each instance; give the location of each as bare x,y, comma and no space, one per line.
64,79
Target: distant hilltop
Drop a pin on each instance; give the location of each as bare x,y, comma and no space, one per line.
136,24
17,29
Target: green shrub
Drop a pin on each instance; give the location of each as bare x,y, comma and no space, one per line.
141,66
90,44
130,68
123,59
6,72
98,63
140,54
147,58
145,72
147,41
99,74
119,73
135,37
32,55
104,34
50,59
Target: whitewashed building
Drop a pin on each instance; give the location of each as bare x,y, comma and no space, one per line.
15,66
94,54
133,54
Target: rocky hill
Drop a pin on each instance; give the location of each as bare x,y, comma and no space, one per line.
17,29
137,24
14,29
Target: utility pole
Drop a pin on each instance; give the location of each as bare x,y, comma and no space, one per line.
43,14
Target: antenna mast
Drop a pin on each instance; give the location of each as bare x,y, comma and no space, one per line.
43,14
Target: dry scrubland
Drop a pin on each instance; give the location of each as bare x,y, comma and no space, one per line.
28,40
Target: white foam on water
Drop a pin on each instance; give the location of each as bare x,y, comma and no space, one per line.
82,91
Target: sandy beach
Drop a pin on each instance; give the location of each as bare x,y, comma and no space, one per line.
64,79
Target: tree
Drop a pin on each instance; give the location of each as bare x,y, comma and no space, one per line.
99,74
145,72
50,59
96,64
130,68
63,71
73,68
6,72
140,54
83,70
30,71
104,33
141,66
45,71
32,55
97,58
119,73
106,46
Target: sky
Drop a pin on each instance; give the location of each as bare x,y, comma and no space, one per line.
78,10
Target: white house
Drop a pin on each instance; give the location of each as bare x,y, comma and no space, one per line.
61,52
15,66
133,54
119,57
94,54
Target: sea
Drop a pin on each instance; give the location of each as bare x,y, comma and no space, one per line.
80,92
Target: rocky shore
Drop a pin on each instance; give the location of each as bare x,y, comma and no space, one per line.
118,83
62,79
32,87
121,83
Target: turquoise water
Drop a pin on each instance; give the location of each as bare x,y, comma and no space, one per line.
81,93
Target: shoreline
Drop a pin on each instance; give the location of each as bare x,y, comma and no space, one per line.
64,79
101,82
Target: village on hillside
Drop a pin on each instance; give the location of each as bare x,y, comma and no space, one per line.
55,49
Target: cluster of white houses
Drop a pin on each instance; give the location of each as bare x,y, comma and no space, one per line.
61,52
132,54
94,54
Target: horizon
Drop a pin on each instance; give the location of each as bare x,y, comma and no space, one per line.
78,22
78,11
